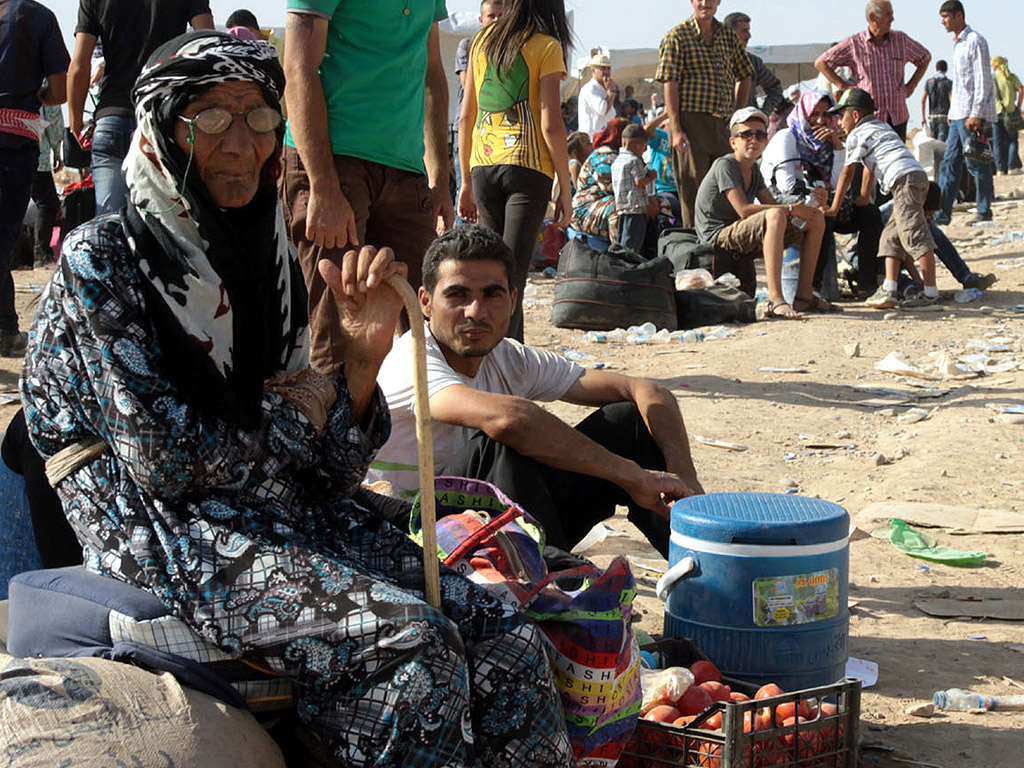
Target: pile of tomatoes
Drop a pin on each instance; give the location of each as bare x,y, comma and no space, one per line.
783,743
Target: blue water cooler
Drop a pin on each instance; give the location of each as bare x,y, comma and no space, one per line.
759,581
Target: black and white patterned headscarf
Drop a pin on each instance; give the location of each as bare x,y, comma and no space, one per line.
223,285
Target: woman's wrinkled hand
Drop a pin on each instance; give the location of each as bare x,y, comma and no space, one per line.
369,308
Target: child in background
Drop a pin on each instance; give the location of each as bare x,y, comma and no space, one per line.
579,146
907,236
630,178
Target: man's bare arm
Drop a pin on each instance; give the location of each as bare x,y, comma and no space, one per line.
830,74
202,21
54,90
435,131
78,80
530,430
743,86
330,221
680,142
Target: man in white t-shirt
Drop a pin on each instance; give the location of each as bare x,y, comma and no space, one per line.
597,97
632,451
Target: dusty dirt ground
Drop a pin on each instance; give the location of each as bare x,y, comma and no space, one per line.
963,454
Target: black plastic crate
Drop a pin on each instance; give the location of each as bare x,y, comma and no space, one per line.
825,741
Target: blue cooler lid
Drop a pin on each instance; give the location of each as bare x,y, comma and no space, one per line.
760,518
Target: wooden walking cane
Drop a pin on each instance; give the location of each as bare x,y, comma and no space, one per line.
424,439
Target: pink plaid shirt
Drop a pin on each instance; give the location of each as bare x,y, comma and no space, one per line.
880,68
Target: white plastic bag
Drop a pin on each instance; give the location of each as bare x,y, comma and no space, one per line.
663,686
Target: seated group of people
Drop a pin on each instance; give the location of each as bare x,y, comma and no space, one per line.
814,178
197,455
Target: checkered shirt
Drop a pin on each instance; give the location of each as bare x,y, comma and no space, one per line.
706,75
972,79
878,67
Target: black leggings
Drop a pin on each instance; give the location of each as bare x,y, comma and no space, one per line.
512,201
569,504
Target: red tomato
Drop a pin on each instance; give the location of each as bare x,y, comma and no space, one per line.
737,696
790,709
713,723
771,689
806,742
704,671
694,701
716,691
709,754
663,713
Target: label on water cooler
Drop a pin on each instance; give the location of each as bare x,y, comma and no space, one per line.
803,598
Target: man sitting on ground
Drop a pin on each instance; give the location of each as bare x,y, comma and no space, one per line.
632,451
885,156
728,216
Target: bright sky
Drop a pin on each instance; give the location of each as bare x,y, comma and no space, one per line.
641,23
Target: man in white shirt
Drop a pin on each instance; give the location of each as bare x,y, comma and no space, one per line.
632,451
597,97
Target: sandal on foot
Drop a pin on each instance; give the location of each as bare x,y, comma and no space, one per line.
781,309
815,303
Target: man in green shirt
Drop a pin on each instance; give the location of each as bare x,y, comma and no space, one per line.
366,147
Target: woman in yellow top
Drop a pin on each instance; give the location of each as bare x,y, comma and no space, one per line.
1009,94
511,134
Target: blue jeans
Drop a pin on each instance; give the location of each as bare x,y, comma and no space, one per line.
632,231
17,172
110,142
952,168
938,128
1004,147
944,249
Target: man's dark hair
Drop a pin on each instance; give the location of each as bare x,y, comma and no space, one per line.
242,18
466,242
941,65
734,18
952,6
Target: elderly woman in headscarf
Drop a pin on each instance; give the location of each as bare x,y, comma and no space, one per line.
1009,95
808,155
199,458
593,205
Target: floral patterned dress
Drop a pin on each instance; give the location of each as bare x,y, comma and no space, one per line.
593,205
251,537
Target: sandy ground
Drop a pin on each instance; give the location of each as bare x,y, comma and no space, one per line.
964,453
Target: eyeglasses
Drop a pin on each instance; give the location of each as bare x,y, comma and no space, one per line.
217,119
759,135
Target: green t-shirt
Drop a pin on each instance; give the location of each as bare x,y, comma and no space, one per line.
372,75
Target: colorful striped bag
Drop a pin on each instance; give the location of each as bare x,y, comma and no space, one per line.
489,539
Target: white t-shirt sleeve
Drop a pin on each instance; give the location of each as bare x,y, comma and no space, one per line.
782,158
535,373
856,147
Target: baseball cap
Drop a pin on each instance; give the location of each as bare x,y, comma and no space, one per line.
855,98
600,60
748,113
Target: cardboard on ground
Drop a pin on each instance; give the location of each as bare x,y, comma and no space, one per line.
926,515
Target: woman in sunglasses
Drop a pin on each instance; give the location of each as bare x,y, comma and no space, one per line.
198,456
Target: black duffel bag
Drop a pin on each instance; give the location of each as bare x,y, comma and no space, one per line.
713,306
684,250
603,290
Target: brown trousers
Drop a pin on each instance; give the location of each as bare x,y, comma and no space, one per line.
392,209
709,140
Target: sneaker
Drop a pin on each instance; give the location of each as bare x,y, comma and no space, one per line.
13,344
979,218
979,281
919,300
882,299
940,219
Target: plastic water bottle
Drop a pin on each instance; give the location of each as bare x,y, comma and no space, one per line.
596,337
961,700
691,336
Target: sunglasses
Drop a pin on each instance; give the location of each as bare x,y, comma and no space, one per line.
759,135
217,120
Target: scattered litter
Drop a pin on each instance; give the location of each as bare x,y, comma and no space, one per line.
643,565
1006,407
912,416
788,456
939,366
890,315
693,279
921,710
572,354
863,670
922,568
770,369
1003,610
961,700
977,637
1016,647
852,350
719,443
928,515
879,402
968,295
594,536
917,544
788,482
